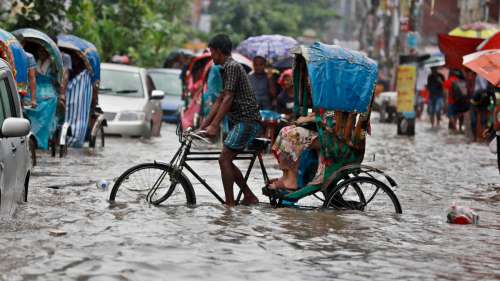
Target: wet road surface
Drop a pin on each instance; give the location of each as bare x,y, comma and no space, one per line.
210,242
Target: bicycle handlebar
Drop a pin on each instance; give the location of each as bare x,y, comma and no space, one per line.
196,135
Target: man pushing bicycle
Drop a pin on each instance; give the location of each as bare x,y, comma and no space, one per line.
239,103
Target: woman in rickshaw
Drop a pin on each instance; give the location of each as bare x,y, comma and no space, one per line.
44,120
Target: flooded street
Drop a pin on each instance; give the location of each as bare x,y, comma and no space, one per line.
210,242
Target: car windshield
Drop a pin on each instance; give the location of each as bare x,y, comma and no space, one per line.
120,83
170,83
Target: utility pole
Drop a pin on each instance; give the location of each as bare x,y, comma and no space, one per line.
406,74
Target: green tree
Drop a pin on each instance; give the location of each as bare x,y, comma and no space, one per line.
48,16
244,18
146,30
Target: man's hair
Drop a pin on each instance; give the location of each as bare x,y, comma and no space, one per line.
221,42
259,58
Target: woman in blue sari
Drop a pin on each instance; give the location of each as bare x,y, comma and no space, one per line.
43,116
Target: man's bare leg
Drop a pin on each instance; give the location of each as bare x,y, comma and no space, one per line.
227,172
248,197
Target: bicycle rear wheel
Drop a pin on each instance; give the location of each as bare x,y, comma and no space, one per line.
155,183
363,194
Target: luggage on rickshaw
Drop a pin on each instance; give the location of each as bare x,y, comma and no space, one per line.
338,85
47,119
82,113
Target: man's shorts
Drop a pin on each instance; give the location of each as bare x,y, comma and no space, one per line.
435,105
452,112
241,134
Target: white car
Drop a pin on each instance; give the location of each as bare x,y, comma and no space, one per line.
168,80
131,105
386,104
15,160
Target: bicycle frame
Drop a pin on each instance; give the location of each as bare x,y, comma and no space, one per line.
184,155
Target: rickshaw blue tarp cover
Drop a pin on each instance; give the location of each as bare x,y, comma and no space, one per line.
85,48
19,55
341,79
50,46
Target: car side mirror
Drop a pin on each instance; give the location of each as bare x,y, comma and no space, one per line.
15,127
157,95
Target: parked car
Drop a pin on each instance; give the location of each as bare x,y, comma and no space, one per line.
386,104
168,80
15,160
129,100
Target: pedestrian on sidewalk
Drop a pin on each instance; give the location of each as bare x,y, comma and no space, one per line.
435,83
461,103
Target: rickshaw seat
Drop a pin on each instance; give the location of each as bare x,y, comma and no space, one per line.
258,144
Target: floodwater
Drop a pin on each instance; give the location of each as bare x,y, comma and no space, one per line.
209,242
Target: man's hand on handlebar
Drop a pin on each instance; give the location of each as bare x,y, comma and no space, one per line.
211,131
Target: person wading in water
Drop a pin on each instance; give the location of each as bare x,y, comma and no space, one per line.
238,102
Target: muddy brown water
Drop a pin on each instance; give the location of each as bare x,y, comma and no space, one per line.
209,242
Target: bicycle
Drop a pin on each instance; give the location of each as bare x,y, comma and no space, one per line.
164,178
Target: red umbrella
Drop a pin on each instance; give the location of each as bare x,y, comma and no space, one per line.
491,43
454,48
486,64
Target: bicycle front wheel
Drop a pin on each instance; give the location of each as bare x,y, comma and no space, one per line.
155,183
363,194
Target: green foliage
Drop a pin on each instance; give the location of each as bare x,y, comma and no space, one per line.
243,18
146,30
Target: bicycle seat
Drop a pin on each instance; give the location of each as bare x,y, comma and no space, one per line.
258,144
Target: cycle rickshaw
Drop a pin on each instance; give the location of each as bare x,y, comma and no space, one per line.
325,78
84,116
12,51
47,119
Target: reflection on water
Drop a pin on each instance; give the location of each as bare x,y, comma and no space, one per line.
138,241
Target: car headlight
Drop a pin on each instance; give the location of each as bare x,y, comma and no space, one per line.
131,116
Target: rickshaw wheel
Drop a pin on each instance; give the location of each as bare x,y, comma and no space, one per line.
363,194
138,184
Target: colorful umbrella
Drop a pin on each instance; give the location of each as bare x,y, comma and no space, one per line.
271,47
475,30
486,64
